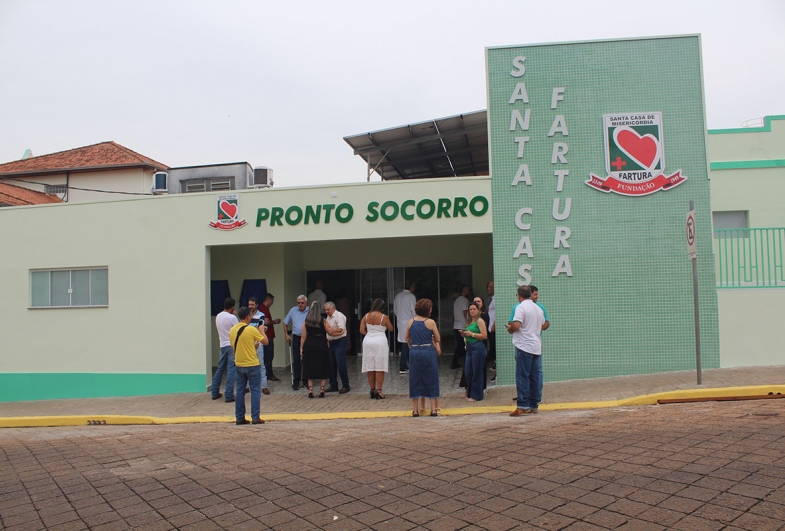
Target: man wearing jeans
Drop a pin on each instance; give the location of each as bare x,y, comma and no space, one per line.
337,343
224,322
245,339
525,327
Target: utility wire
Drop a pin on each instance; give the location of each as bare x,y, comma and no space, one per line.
67,187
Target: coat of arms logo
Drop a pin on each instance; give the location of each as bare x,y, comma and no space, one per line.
228,213
634,156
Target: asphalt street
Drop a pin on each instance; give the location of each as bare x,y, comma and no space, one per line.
700,466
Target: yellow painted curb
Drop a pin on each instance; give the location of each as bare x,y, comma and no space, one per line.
642,400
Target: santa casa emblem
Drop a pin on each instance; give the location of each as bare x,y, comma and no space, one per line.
228,213
634,156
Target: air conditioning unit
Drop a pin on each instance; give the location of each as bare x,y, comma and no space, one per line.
262,177
160,182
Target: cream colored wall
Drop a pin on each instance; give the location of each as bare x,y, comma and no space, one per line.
760,191
159,268
38,183
359,196
135,180
240,262
751,331
294,280
747,145
154,322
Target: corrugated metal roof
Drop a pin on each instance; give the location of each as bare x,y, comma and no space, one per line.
454,146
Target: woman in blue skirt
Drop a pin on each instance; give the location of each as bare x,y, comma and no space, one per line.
423,338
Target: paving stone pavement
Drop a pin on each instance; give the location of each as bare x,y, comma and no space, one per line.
693,467
284,400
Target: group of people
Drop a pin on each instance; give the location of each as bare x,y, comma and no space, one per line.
319,345
527,322
246,340
475,340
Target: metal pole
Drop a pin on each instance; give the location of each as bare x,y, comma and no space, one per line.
697,312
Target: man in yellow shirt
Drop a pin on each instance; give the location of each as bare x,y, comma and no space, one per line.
245,339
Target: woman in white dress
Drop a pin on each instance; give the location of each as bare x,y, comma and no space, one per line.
376,349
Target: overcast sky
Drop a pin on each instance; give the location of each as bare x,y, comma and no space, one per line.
280,84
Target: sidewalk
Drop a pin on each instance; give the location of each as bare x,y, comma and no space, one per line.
286,404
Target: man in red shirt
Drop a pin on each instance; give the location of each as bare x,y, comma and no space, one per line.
269,349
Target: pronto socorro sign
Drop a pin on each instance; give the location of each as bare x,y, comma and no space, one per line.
388,211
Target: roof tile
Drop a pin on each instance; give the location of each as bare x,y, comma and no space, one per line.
17,196
104,155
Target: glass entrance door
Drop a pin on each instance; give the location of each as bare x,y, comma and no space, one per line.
354,290
375,284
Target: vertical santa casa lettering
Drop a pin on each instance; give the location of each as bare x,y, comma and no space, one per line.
520,119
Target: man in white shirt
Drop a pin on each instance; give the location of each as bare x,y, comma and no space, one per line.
257,321
338,344
526,327
460,313
224,322
318,295
403,306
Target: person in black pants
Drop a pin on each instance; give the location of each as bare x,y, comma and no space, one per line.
460,310
296,317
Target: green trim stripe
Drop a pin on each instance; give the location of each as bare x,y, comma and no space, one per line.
765,129
16,387
748,164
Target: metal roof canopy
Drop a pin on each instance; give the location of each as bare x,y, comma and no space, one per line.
445,147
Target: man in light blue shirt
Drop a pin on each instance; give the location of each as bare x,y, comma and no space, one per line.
296,317
535,296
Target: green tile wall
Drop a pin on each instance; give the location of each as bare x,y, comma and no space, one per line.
628,307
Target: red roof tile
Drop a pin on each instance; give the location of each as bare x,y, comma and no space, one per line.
11,195
105,155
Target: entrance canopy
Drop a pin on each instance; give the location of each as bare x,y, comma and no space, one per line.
444,147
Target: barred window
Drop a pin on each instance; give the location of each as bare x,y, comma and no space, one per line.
55,188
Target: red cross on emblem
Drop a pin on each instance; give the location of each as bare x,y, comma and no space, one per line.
618,164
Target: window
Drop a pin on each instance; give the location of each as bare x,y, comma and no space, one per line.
70,288
161,181
211,184
731,219
198,186
55,188
220,184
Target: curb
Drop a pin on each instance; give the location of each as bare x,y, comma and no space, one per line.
755,391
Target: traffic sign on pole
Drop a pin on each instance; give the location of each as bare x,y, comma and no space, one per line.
692,252
692,247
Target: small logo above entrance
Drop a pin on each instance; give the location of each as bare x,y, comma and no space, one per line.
228,213
634,156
